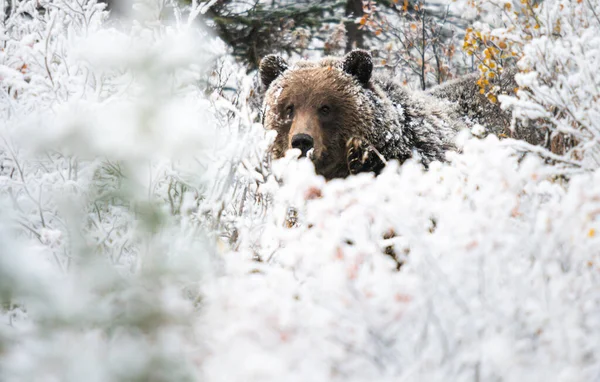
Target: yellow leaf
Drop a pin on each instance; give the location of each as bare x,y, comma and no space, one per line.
591,232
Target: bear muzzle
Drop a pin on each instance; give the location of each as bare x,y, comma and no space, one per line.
304,143
306,135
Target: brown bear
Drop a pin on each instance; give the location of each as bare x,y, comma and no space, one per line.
348,121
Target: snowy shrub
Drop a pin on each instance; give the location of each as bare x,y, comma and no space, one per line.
498,279
557,45
109,151
146,235
560,80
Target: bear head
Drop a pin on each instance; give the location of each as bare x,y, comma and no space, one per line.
317,107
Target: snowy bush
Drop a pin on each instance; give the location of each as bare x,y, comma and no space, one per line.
557,45
109,151
145,234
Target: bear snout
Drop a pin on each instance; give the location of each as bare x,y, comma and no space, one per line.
303,142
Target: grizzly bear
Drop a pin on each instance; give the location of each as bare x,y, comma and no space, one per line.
348,121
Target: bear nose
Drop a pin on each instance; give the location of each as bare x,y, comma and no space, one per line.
304,142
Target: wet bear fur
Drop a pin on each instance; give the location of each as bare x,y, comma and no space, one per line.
348,120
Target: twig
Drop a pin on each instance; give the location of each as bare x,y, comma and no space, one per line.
522,145
593,11
46,52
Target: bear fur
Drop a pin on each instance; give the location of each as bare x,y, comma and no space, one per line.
348,120
464,96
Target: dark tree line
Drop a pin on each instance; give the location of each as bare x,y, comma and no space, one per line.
278,27
255,28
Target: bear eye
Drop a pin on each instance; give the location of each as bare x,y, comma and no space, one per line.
324,110
289,111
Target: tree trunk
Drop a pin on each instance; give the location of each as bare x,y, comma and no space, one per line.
355,36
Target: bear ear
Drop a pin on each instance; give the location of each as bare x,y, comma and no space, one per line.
359,64
271,67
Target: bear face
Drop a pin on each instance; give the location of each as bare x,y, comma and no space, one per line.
317,108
